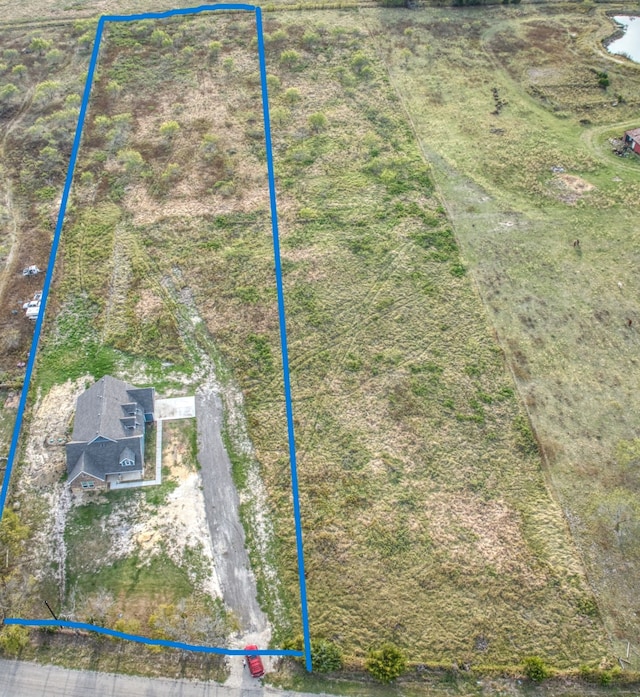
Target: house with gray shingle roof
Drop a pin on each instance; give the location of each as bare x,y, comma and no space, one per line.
107,443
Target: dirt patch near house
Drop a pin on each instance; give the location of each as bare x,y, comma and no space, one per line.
45,461
40,485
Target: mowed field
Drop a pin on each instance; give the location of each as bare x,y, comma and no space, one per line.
430,516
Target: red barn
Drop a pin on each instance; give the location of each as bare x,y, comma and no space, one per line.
632,139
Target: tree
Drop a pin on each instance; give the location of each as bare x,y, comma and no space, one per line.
386,663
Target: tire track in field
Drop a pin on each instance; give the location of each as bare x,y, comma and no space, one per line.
15,220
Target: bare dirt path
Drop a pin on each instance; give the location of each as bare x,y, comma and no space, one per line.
222,508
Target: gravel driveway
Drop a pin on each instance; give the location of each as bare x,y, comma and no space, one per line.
222,509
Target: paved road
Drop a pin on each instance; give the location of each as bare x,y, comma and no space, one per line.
222,509
20,679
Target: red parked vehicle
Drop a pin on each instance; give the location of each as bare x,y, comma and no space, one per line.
254,662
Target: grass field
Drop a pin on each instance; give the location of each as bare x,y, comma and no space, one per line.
426,325
561,312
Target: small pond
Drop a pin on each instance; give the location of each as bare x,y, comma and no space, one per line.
629,44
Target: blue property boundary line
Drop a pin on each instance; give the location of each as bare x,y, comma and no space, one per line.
283,341
283,337
152,642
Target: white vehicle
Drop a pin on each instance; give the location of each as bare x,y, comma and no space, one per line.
33,312
32,270
32,308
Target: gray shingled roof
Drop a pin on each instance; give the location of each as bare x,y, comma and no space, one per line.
109,427
100,410
103,457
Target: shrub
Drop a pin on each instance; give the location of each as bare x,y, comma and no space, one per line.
225,188
13,639
317,122
113,88
525,440
358,61
7,92
227,64
603,80
386,663
535,668
161,39
39,45
210,146
127,626
279,116
292,96
278,37
46,91
86,40
171,174
273,83
169,129
214,50
326,656
19,70
131,160
290,58
310,39
54,57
